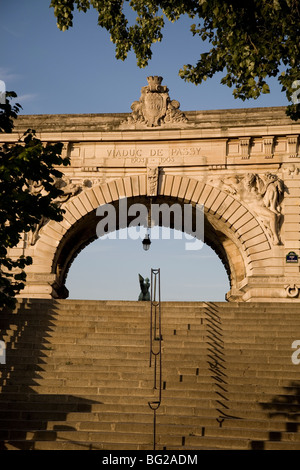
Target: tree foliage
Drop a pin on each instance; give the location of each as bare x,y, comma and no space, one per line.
250,40
23,165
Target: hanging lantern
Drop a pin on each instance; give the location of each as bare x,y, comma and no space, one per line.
146,242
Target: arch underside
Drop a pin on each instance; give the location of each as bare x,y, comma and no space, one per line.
84,232
228,225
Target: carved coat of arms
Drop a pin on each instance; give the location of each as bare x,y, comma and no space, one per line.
155,106
154,101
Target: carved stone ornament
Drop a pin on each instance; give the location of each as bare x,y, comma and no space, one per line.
263,194
291,170
292,290
268,146
155,107
245,143
68,189
293,145
152,181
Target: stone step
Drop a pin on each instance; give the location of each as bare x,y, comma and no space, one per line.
175,408
206,444
268,387
173,333
210,362
201,340
230,403
67,440
265,403
225,309
84,430
235,384
179,430
64,303
51,417
201,365
211,443
279,347
183,387
95,419
89,436
67,445
128,372
225,312
284,371
22,317
201,371
39,417
171,330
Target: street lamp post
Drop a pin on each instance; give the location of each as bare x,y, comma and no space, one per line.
147,242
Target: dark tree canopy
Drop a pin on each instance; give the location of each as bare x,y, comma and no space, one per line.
249,40
23,165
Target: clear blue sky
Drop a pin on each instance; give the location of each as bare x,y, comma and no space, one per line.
56,72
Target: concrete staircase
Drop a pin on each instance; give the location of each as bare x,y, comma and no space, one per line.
77,376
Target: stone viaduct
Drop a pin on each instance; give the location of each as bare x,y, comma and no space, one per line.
242,165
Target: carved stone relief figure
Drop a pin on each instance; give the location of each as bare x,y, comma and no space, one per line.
33,236
152,181
291,170
69,190
173,113
35,187
263,194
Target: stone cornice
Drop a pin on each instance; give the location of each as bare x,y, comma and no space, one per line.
210,124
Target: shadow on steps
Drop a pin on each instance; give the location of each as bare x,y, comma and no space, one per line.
25,413
284,407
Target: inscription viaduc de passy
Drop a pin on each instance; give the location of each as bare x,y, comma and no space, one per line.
153,152
155,106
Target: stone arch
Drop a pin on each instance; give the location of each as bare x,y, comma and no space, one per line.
231,229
